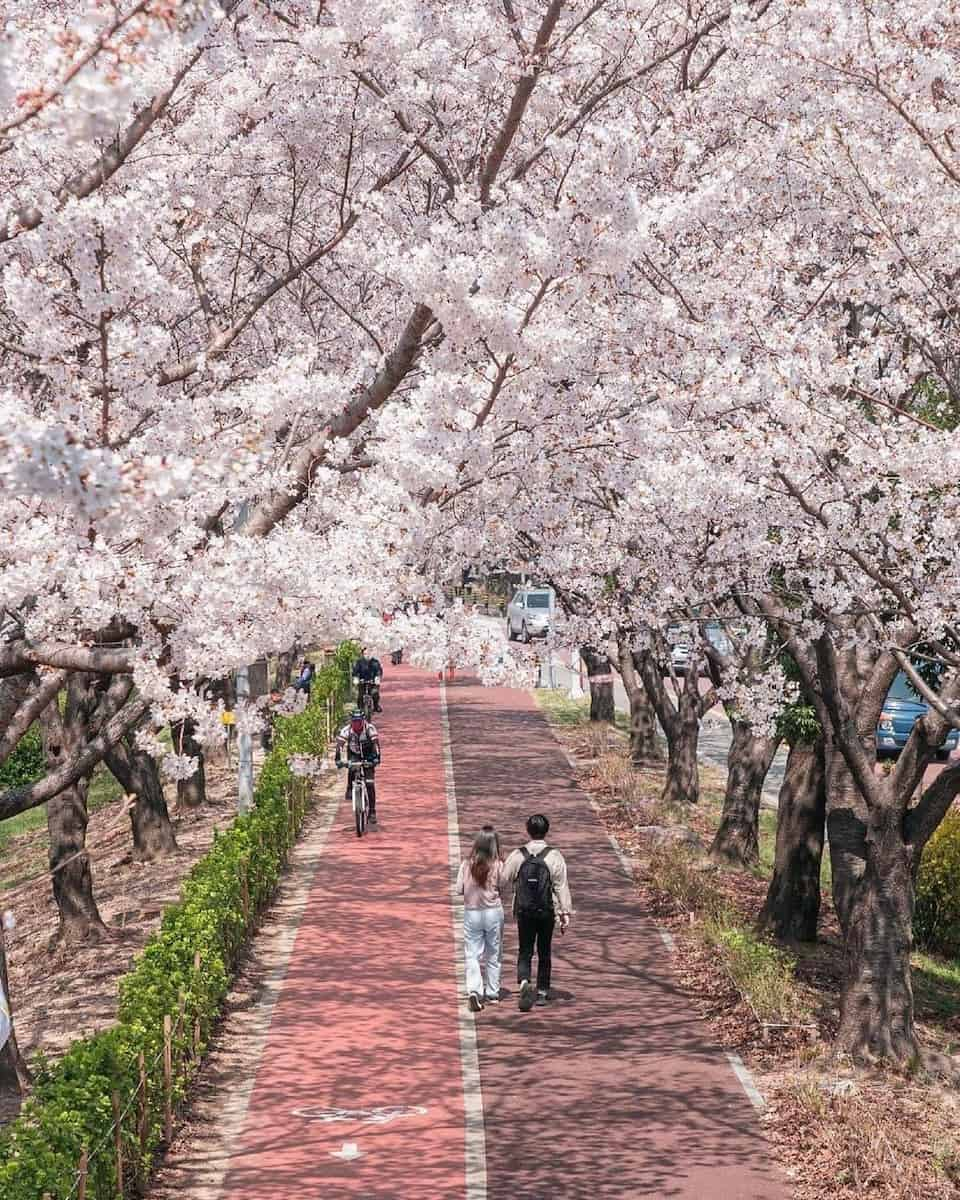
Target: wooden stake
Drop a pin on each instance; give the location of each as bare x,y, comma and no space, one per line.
82,1176
244,892
142,1114
196,1020
167,1079
117,1140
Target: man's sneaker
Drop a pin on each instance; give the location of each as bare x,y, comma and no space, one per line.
492,999
526,996
476,1004
543,997
372,818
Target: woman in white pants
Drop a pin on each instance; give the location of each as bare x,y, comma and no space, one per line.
479,883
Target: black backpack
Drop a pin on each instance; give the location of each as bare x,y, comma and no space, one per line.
534,892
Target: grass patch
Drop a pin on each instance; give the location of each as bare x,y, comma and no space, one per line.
674,871
561,710
103,790
936,986
763,973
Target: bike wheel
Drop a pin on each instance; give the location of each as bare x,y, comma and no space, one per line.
359,807
368,706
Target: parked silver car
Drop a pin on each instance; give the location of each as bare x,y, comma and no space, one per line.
529,613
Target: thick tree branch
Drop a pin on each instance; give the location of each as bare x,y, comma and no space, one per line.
521,98
18,800
86,182
21,656
46,691
922,820
398,364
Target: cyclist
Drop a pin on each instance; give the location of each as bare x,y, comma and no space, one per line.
368,671
359,743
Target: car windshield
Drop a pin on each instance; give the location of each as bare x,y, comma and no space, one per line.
538,600
901,689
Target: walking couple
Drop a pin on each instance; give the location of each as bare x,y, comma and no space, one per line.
537,874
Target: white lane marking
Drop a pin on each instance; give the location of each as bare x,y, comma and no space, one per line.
667,938
348,1151
474,1133
622,856
746,1081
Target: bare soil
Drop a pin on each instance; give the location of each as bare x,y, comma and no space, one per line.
62,993
838,1131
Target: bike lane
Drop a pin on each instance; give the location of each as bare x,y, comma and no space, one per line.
368,1017
614,1090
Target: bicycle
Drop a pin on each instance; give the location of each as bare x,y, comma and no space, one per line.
365,699
360,800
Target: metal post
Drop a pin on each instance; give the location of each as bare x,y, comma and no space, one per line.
244,750
576,681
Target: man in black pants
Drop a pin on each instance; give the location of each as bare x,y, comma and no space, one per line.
541,898
368,670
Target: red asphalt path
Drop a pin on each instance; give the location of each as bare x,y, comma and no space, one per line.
367,1013
613,1091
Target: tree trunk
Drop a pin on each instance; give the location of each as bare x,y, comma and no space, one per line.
683,775
737,840
600,674
15,1076
80,919
645,748
876,999
137,774
792,906
192,792
873,893
67,819
285,664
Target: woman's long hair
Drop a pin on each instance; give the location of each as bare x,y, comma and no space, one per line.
486,851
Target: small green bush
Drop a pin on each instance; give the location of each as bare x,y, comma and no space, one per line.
71,1106
764,973
26,764
937,913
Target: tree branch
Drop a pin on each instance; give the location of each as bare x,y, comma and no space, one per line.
18,657
18,800
46,691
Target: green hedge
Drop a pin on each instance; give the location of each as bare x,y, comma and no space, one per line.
936,919
71,1108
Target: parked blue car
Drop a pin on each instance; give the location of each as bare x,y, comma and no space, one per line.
901,711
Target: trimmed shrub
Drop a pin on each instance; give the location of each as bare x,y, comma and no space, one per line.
183,972
937,915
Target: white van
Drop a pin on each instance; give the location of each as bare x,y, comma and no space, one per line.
529,613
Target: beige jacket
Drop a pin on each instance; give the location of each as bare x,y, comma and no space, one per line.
558,873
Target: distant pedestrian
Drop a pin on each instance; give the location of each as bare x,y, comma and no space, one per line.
479,883
305,678
541,899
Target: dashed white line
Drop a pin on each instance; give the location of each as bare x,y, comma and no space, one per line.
474,1132
746,1081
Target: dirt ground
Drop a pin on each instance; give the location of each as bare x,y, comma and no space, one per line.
61,994
838,1131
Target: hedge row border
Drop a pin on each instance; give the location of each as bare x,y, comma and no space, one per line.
96,1120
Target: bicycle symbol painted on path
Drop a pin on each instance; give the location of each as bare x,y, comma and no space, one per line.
362,1116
